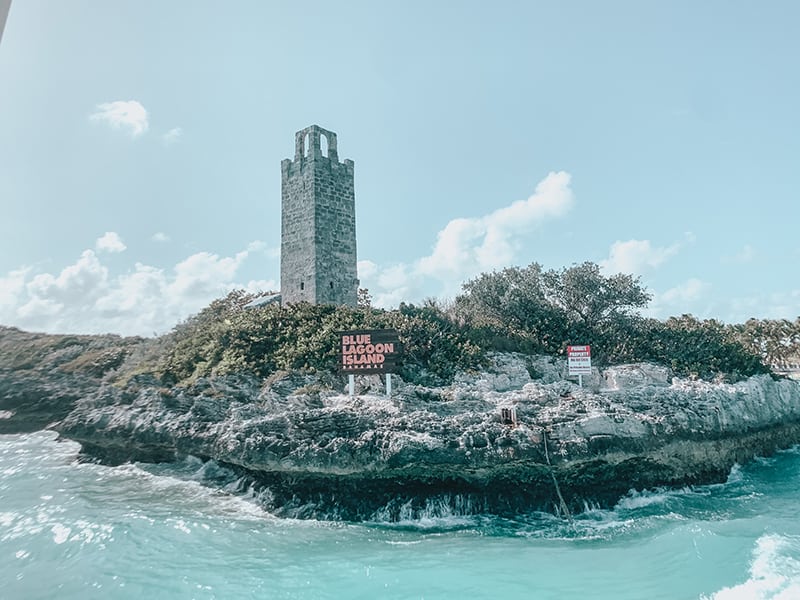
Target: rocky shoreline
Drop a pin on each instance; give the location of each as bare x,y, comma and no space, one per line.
309,450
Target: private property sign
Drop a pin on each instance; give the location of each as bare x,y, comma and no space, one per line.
579,360
369,351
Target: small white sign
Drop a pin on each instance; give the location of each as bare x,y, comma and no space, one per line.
579,360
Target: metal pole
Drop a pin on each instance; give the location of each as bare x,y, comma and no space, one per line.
351,384
5,6
388,385
580,380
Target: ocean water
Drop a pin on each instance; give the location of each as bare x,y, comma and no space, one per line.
70,529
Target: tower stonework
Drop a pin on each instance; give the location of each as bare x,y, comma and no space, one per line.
318,223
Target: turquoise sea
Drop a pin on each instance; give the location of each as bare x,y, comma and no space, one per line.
71,529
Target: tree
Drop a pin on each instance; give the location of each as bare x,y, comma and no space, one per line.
510,308
776,341
591,297
512,297
700,348
531,310
364,298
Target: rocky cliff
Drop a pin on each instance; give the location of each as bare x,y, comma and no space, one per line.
498,441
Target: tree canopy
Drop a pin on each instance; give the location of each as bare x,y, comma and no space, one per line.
521,309
532,310
585,294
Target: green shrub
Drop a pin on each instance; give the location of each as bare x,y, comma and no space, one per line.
228,338
530,310
521,310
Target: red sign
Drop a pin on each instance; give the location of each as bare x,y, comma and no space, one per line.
579,360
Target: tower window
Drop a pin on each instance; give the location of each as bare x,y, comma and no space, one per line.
302,285
323,145
331,285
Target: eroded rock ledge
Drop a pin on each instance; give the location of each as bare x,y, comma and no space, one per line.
316,452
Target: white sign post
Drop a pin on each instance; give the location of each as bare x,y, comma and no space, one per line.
579,361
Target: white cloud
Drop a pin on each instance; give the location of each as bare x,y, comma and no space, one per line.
50,301
135,293
256,286
84,298
110,242
775,305
205,275
689,291
468,246
366,269
128,115
172,136
396,284
637,256
11,287
694,296
160,236
78,282
691,296
37,309
257,246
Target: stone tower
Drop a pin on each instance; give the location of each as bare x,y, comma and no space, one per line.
318,223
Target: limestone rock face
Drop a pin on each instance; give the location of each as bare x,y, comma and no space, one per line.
355,455
632,376
506,372
314,451
31,401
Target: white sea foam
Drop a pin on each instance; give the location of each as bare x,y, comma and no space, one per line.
635,500
191,491
774,572
736,475
440,513
60,533
180,525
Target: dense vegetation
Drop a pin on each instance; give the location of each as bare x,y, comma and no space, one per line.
527,310
92,355
227,337
530,310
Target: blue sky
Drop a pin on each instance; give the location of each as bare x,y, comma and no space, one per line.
140,149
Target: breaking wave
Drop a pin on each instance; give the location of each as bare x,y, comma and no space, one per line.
774,571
